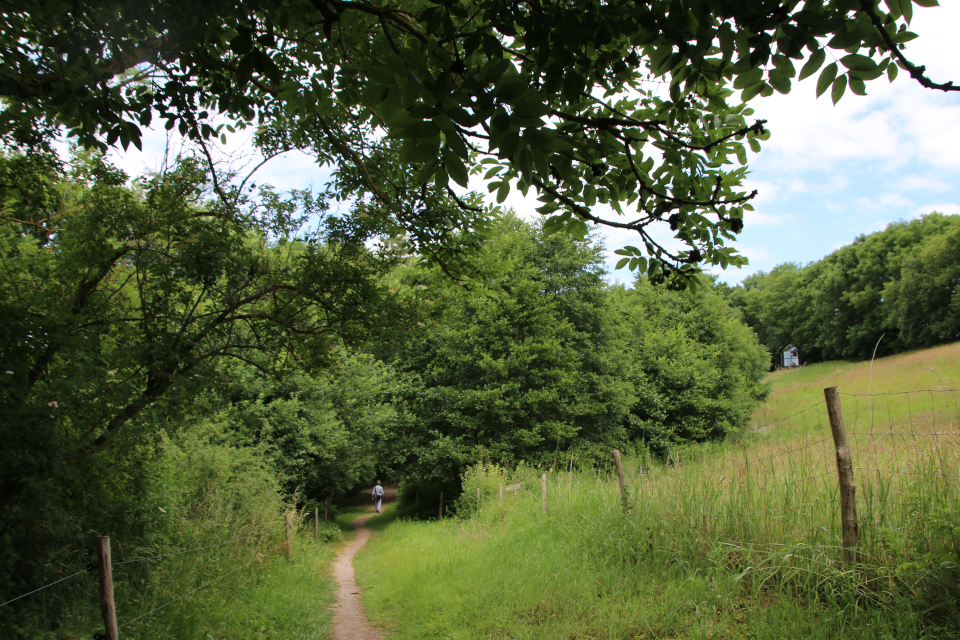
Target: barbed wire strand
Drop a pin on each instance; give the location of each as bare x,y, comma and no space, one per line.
180,553
909,473
882,434
204,586
768,424
898,393
73,575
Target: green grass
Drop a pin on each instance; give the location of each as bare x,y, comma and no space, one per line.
286,599
261,595
735,541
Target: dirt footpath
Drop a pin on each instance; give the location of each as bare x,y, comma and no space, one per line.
349,620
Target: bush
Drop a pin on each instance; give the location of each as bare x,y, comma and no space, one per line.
487,477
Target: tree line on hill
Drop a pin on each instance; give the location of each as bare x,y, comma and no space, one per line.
889,291
159,344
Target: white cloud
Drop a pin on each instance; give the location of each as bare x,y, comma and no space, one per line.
922,183
943,207
755,218
895,125
893,199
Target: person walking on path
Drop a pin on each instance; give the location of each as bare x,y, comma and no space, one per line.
377,494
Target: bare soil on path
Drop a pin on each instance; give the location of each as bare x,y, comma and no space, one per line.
349,620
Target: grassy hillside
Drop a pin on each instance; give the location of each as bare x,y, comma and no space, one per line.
793,389
732,541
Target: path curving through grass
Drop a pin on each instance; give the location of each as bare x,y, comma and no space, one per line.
349,619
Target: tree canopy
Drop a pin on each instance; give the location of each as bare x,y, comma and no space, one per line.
626,115
553,363
889,291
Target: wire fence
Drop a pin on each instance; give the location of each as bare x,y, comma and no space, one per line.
784,484
778,489
256,546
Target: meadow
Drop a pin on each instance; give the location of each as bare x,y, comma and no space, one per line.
721,541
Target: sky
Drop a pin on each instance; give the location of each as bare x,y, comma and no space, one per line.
828,173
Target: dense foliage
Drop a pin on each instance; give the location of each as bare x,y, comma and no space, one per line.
120,304
892,291
637,107
695,368
550,363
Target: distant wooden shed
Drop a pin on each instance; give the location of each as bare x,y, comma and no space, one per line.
790,357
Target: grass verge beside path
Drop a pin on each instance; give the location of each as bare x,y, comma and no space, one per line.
524,575
287,600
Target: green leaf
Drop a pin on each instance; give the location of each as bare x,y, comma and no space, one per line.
752,91
845,40
858,62
814,63
748,79
622,263
741,154
725,34
541,139
503,192
927,3
827,77
511,86
907,7
893,6
492,172
839,86
857,86
455,167
780,81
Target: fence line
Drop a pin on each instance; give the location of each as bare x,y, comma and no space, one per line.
89,567
778,420
204,586
904,452
180,553
106,586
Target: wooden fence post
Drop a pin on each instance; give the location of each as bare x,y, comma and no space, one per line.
620,479
501,495
848,487
107,607
286,518
441,505
316,522
543,490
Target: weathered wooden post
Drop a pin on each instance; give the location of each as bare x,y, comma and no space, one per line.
501,495
107,607
543,491
848,487
441,505
316,522
620,479
286,519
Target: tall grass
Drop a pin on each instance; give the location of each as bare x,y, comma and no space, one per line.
211,565
725,540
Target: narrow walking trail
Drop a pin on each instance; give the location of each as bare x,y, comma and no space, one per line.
349,620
